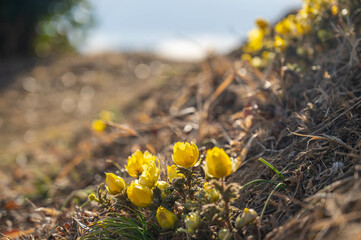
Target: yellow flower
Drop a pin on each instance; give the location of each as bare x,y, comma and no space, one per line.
303,28
257,62
166,218
280,43
282,28
246,57
224,234
185,154
262,24
212,194
139,195
288,26
218,164
173,173
192,222
247,217
162,185
138,161
98,125
115,184
334,10
150,175
255,39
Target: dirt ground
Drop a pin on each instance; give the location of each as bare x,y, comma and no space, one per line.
46,110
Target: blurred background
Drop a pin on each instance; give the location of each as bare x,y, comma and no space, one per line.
184,30
50,94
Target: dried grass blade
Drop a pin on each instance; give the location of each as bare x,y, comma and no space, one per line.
123,127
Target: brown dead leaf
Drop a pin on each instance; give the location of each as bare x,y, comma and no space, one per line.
48,211
16,233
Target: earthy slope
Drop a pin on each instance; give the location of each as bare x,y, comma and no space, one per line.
301,115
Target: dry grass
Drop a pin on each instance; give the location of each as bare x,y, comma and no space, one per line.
306,124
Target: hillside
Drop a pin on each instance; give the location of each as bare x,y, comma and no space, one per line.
291,96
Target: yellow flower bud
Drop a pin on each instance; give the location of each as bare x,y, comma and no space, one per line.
192,222
224,234
257,62
150,175
92,197
98,125
262,24
218,164
162,185
166,218
246,57
185,154
138,161
139,195
173,173
247,217
268,55
212,194
115,184
334,10
280,43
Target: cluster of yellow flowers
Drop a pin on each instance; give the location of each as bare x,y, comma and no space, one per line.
264,41
146,167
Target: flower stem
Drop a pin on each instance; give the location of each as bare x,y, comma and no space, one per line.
189,183
226,206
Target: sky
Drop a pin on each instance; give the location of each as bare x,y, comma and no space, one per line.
179,29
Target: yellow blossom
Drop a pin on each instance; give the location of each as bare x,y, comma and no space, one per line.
246,57
218,164
139,195
282,27
292,26
308,12
212,194
138,161
162,185
303,28
115,184
165,218
150,175
280,43
98,125
255,39
247,217
192,222
257,62
334,10
262,24
173,173
185,154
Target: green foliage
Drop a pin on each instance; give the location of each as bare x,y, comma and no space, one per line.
272,167
122,227
42,26
63,26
